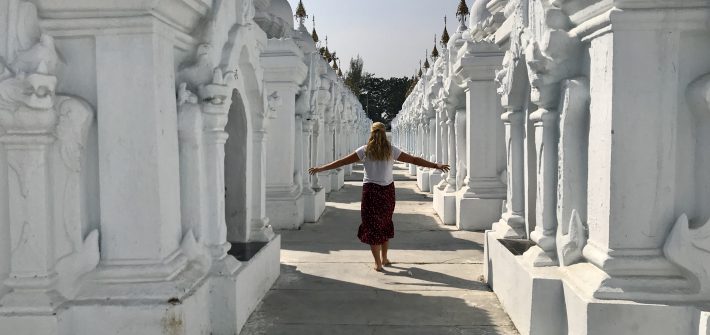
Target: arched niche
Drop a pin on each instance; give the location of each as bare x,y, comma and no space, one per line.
236,171
242,174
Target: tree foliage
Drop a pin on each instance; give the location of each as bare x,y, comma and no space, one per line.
383,98
353,78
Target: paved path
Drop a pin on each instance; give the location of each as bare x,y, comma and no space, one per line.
328,287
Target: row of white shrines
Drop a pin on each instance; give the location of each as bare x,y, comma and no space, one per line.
136,139
578,133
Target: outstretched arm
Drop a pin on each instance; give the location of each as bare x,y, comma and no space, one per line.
407,158
349,159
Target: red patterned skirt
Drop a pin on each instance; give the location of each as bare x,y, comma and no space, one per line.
376,210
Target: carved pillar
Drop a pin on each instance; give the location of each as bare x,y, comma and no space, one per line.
298,153
215,115
432,131
43,139
546,140
315,180
329,151
425,138
633,188
259,228
307,155
348,144
33,275
461,154
573,165
443,148
451,147
421,138
194,208
512,222
138,126
439,138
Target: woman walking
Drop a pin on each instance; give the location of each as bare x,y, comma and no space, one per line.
378,192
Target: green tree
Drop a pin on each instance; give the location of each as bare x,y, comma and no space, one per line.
353,78
383,98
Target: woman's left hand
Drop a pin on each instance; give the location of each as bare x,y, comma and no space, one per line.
314,170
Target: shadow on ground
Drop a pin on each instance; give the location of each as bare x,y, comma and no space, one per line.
316,305
328,285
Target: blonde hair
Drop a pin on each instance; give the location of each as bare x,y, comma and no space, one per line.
378,146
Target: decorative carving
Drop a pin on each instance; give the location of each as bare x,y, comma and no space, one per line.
303,100
198,72
274,102
44,52
551,53
45,138
218,92
689,248
571,240
194,250
185,96
572,158
75,265
75,118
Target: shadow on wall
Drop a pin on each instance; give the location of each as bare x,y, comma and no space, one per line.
375,311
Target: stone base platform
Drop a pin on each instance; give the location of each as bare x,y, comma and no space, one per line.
445,206
337,180
544,301
476,214
255,278
435,178
314,205
191,303
285,212
423,180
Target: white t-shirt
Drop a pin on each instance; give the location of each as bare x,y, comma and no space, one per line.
378,172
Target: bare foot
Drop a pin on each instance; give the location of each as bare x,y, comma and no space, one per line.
386,262
379,269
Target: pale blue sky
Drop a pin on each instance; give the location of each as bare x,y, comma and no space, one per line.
390,35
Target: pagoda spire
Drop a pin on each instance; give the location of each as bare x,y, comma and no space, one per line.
327,54
435,51
426,60
445,36
301,14
314,34
462,14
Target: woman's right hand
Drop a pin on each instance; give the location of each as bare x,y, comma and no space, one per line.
443,167
314,170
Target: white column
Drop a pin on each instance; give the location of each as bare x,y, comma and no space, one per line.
480,202
306,138
443,148
461,145
214,233
138,124
546,137
315,145
451,148
512,222
299,152
33,274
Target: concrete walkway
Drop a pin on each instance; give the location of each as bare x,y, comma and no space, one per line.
328,286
